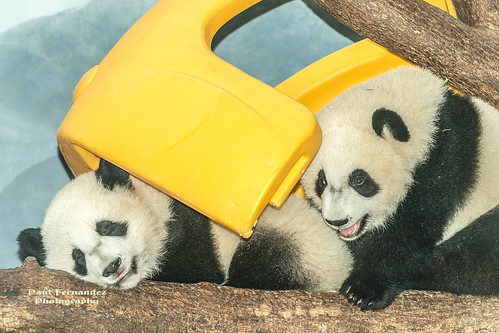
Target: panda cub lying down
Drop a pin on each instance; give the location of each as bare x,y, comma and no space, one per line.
113,230
408,175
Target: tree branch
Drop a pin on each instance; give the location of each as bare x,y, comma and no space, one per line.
34,298
465,53
478,14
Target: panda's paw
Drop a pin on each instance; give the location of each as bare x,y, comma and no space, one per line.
369,292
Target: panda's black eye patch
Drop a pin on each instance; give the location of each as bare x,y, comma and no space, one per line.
80,262
361,182
110,228
320,183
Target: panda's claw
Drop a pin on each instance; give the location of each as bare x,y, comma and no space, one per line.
368,293
348,290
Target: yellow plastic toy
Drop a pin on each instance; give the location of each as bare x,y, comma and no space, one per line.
163,107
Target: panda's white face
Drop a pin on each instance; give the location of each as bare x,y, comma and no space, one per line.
354,194
112,238
374,135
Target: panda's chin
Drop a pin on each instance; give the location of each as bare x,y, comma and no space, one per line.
354,231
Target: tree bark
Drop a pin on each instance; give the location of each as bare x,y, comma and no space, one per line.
34,298
464,51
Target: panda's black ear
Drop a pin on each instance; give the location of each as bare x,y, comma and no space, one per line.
110,176
31,244
392,121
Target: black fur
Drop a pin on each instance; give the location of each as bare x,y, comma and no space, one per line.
468,262
31,244
190,253
111,228
362,183
320,183
267,260
441,184
80,262
384,117
110,176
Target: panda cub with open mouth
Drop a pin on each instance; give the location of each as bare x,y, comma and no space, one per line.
111,229
408,176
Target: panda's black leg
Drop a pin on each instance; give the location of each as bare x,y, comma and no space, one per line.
267,260
468,262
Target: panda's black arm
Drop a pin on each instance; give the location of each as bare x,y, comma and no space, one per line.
190,255
387,262
467,263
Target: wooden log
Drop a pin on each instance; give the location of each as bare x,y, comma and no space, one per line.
34,298
466,51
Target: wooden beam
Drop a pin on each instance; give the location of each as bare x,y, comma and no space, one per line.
34,298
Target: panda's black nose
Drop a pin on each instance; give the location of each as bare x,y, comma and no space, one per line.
337,223
112,267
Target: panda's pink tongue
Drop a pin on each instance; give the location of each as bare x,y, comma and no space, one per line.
351,231
124,274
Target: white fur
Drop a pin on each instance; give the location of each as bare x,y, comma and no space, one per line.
350,143
70,223
347,132
226,242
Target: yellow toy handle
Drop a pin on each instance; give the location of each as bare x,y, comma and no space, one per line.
163,107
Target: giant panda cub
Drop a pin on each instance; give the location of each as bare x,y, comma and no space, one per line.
405,167
113,230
